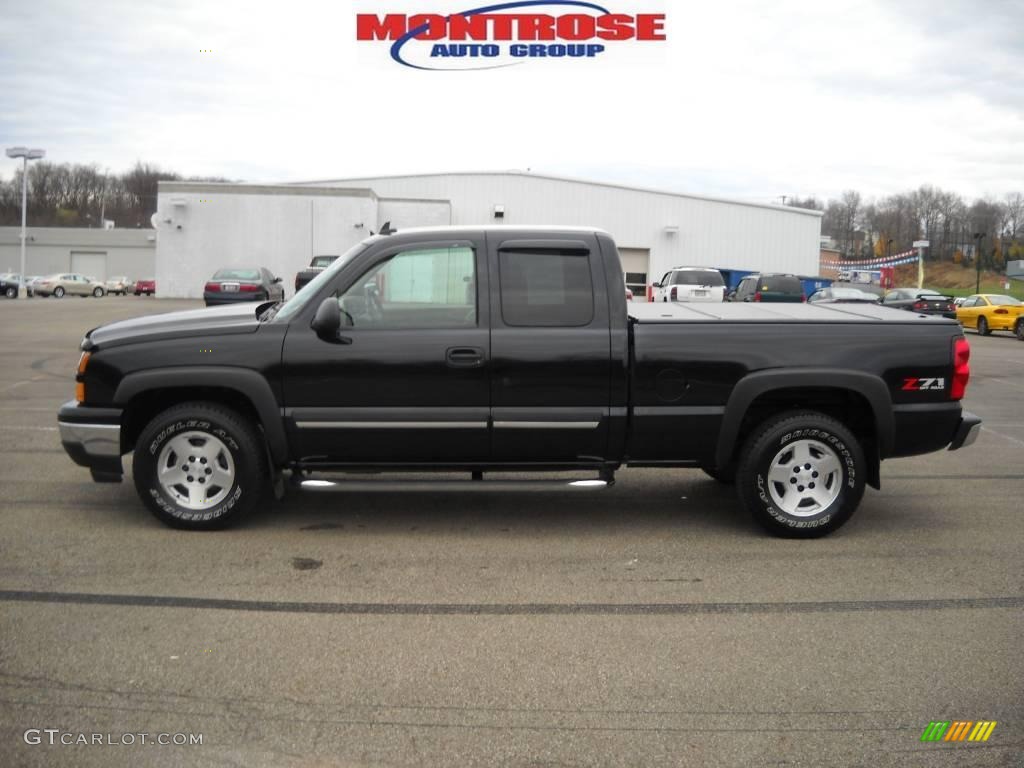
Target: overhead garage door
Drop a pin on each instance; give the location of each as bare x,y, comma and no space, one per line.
635,263
90,263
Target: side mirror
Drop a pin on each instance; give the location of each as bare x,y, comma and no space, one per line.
746,298
655,285
277,279
327,321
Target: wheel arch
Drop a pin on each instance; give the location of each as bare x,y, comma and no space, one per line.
859,400
145,393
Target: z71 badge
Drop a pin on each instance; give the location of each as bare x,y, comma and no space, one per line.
918,385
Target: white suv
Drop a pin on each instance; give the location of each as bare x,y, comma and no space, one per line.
690,284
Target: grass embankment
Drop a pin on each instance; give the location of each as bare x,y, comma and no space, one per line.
957,281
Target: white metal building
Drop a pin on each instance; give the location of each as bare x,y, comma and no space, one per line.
205,226
98,253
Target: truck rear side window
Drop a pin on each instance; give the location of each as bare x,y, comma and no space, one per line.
546,288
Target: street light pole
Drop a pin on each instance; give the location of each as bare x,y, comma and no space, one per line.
25,154
978,237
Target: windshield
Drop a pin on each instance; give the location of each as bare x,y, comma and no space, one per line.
698,277
852,293
236,274
781,284
312,288
1000,299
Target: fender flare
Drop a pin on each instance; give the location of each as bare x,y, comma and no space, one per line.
247,383
749,388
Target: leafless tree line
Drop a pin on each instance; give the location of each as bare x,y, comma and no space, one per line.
866,229
72,195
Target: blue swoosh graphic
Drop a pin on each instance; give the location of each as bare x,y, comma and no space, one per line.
396,49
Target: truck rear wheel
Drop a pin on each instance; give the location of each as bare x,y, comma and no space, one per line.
199,466
801,474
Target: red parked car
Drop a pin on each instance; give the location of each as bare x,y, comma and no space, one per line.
145,286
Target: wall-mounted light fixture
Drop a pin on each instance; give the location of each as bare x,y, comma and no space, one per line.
672,229
499,211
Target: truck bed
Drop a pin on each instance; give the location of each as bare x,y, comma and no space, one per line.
731,312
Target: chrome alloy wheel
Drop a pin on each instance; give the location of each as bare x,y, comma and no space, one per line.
805,477
196,470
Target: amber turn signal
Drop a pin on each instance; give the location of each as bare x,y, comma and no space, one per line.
83,362
80,391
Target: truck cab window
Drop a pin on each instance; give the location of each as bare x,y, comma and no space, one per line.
424,288
546,288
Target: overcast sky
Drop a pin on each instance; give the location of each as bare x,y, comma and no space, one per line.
753,99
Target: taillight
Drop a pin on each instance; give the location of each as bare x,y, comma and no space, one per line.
950,307
757,296
920,305
961,370
673,293
803,297
213,287
248,288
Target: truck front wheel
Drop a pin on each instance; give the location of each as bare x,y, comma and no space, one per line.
199,466
801,474
726,475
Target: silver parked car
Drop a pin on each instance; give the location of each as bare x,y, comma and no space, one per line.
68,283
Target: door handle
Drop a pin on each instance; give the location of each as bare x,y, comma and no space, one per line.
464,357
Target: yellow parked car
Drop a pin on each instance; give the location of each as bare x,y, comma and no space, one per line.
987,312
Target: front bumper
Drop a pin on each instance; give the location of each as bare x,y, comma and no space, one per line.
967,432
92,438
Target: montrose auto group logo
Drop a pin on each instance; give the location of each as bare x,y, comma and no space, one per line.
507,34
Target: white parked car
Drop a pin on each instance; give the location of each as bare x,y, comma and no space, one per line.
119,284
690,284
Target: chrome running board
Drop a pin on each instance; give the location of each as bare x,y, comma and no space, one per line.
399,486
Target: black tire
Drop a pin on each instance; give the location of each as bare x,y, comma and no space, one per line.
239,438
726,475
1019,330
58,292
770,441
11,292
983,329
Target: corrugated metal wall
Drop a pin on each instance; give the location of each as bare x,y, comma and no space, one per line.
710,232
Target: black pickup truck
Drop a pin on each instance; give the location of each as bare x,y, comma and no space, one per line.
504,349
316,266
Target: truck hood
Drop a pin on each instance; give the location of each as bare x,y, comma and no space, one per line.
233,318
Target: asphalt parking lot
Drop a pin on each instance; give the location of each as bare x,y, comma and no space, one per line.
651,624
